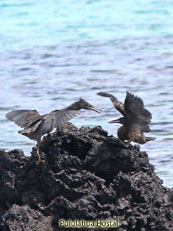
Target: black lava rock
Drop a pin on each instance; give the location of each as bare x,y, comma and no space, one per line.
86,175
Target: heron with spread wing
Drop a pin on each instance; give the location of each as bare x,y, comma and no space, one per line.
35,125
135,121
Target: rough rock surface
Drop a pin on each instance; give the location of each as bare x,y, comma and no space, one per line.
86,175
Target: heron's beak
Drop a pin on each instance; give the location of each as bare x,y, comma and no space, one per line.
114,121
96,110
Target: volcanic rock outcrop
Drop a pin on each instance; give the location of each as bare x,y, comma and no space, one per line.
86,175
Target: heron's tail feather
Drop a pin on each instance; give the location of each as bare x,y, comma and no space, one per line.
28,133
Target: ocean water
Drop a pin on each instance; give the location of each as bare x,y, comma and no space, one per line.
53,52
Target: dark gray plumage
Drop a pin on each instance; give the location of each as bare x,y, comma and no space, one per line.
36,125
135,120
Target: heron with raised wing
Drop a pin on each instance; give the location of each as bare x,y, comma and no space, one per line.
35,125
135,121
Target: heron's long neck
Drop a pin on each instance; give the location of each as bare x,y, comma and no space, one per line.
74,106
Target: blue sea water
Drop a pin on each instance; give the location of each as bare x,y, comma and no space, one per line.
53,52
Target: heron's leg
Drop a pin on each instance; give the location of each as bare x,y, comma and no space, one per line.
123,143
38,151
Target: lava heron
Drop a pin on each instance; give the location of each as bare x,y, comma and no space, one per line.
135,120
36,125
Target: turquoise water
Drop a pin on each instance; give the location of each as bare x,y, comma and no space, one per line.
53,52
45,23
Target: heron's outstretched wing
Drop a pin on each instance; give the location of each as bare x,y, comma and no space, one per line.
23,118
55,119
118,105
134,108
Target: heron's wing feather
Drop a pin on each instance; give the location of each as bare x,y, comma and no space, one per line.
32,122
136,125
137,114
62,116
34,126
134,105
23,117
118,105
56,119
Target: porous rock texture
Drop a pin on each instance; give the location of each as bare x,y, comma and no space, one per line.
86,175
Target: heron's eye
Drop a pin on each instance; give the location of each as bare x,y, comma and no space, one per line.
89,105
